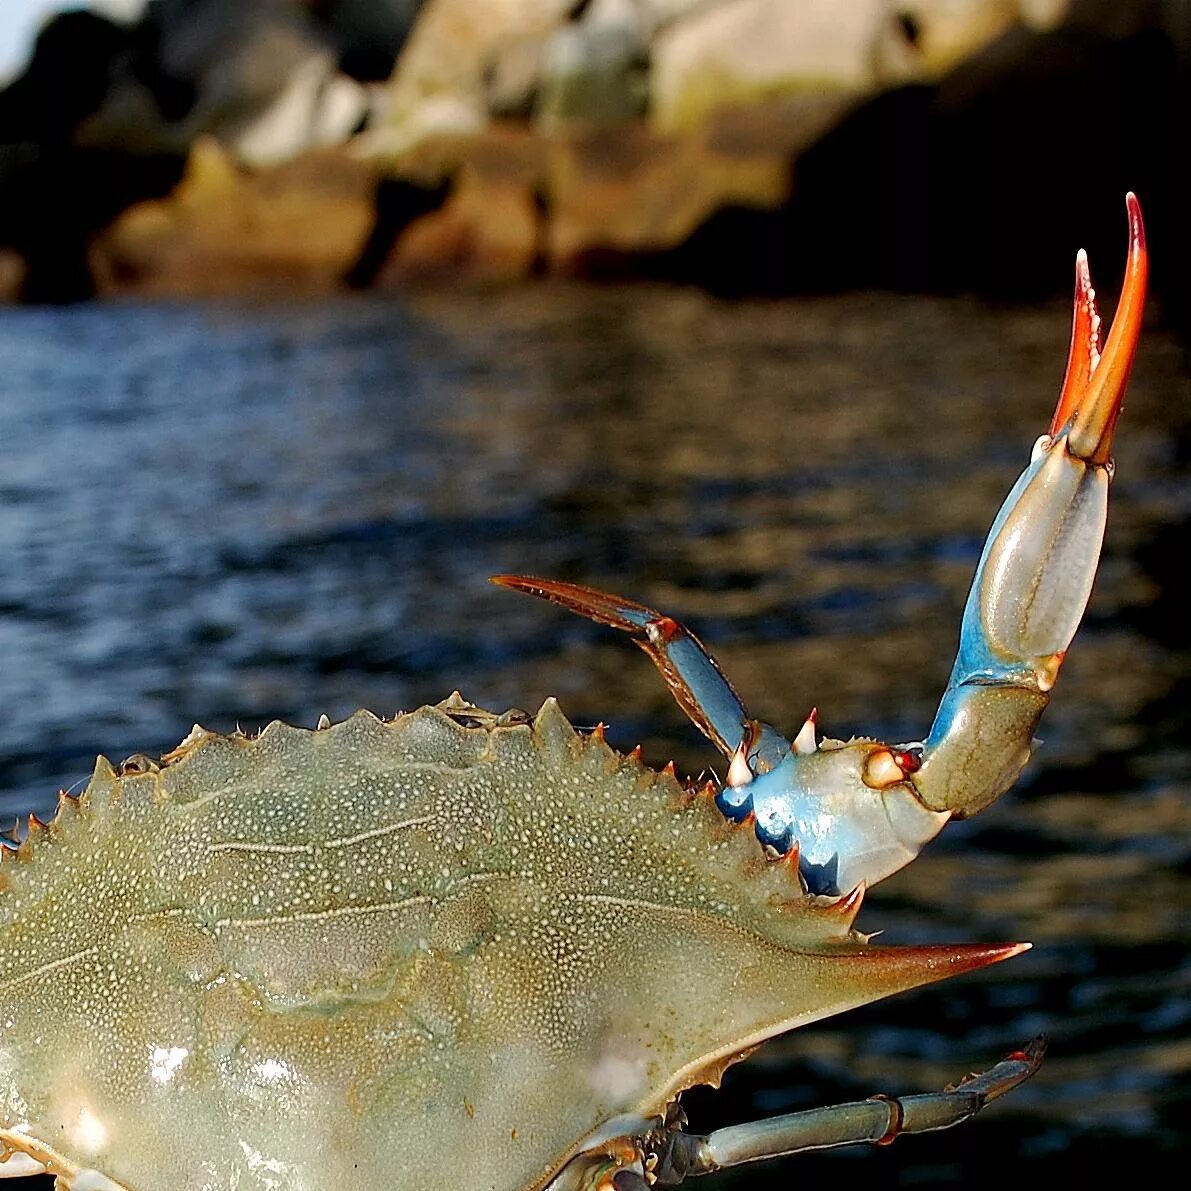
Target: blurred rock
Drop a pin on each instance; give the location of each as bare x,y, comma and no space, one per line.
295,228
105,113
983,181
56,193
367,35
438,89
945,32
742,51
257,74
595,69
927,144
637,121
746,145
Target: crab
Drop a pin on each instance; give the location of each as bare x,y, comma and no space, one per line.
489,951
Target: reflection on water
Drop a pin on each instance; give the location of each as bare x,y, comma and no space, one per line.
235,514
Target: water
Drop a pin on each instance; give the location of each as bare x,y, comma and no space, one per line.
233,513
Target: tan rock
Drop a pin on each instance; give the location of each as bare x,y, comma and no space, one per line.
438,85
742,51
526,202
492,225
633,190
295,227
593,70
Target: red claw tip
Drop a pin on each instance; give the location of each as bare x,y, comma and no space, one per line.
1095,410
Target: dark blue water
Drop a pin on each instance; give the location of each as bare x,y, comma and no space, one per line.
230,514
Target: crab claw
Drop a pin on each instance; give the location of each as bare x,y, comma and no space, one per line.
858,811
1035,576
692,674
1094,385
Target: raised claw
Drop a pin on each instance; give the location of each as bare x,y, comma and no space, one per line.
1036,572
858,811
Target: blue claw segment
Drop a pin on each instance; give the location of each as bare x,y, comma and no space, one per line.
692,674
823,803
735,803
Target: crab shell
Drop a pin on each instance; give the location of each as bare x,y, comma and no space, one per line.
439,950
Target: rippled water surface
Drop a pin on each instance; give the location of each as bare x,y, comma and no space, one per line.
233,514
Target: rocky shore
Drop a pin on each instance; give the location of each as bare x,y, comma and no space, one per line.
748,145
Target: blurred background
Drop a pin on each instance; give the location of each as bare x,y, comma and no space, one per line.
318,312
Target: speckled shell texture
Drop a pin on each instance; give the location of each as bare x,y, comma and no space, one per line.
407,954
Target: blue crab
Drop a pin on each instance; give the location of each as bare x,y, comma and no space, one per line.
489,950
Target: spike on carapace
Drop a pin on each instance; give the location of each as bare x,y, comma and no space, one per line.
669,771
805,741
848,906
739,773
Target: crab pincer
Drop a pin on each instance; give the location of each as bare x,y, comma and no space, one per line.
1035,575
855,812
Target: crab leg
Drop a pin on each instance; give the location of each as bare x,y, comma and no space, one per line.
1035,575
876,1121
21,1154
692,674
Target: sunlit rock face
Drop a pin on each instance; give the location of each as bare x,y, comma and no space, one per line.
779,146
295,227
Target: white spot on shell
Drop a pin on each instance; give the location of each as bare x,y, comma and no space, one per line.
164,1061
271,1070
615,1077
90,1133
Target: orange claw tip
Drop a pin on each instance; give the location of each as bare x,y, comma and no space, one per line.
1097,411
1084,353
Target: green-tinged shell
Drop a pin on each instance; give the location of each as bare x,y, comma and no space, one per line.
407,955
